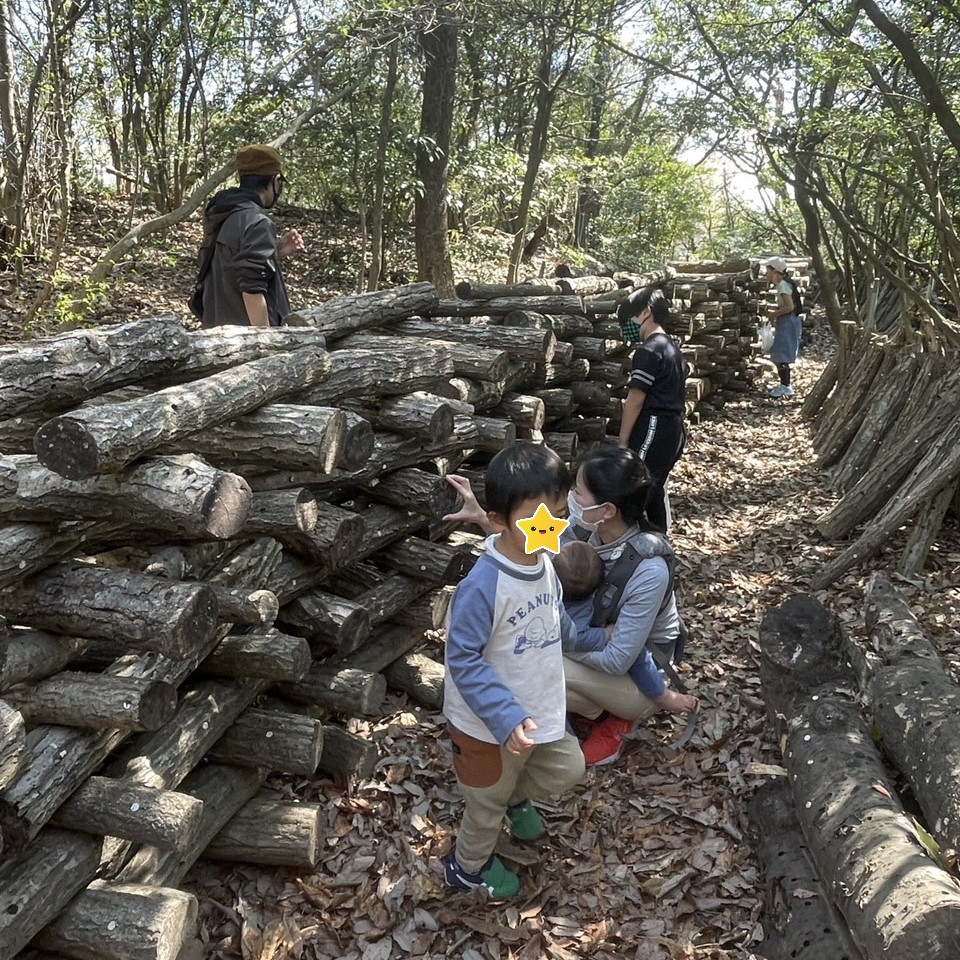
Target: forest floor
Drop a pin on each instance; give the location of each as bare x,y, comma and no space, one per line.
652,857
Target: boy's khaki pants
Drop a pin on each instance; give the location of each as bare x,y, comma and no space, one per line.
590,692
491,779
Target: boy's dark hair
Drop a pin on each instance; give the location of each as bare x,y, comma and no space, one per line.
521,472
256,181
618,476
639,300
580,569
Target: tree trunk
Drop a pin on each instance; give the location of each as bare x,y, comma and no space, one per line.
97,702
62,371
104,438
283,742
381,595
586,286
923,534
141,612
438,43
380,173
181,495
264,655
272,832
104,806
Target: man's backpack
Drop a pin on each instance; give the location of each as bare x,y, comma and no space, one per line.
798,307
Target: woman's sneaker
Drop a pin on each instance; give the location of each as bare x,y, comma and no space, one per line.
494,877
784,390
525,821
605,742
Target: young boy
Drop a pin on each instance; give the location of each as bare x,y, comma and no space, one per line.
504,695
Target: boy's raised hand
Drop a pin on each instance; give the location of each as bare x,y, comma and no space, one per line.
518,741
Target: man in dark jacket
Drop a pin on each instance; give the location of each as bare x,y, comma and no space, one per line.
244,283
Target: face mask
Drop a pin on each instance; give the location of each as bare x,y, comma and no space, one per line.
575,512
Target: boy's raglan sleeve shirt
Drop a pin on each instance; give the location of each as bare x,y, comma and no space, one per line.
471,623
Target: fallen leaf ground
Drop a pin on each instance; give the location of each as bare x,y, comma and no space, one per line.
651,858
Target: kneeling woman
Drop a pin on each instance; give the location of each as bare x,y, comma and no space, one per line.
619,680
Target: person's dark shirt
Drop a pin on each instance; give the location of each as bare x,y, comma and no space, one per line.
659,371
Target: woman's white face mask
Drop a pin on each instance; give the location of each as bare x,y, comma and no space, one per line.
575,512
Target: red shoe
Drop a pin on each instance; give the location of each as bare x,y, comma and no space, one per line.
606,741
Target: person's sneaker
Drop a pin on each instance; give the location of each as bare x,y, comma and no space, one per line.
606,741
580,726
494,877
777,391
787,390
525,821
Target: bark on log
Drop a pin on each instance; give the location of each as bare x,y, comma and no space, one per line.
358,442
924,532
586,286
369,372
36,888
181,495
334,622
223,790
469,359
521,343
420,413
123,922
815,399
471,290
557,401
381,595
284,742
587,429
341,316
522,410
215,349
414,489
8,477
264,655
494,434
435,563
285,436
353,692
32,654
334,537
272,832
388,644
104,806
276,512
500,306
98,702
13,744
141,612
256,608
427,613
103,439
551,375
26,548
565,445
346,756
62,371
418,676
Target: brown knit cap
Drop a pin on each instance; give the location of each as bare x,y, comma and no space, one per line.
259,158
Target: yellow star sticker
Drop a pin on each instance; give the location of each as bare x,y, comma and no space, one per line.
542,530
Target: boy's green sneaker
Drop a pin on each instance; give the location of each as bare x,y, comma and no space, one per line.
494,877
525,821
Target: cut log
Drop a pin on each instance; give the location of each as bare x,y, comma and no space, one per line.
13,743
265,655
334,622
272,832
257,608
553,375
418,676
103,439
98,702
181,495
8,477
586,286
223,790
522,410
140,612
26,548
565,445
423,414
63,371
346,314
276,512
104,806
427,613
36,888
285,436
471,290
435,563
32,654
381,595
363,372
469,359
521,343
358,442
923,533
501,306
275,740
334,537
346,756
352,692
414,489
586,429
123,922
388,644
494,434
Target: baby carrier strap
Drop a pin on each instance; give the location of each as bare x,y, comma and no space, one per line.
609,597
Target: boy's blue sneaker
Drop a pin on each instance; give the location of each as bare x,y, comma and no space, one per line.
525,821
494,877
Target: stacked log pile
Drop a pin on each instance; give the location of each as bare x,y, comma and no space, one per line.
886,430
889,876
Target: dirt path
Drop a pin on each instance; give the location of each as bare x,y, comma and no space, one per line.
650,858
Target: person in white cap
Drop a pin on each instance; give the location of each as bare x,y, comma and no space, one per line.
787,323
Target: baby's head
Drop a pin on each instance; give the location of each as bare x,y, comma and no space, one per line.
580,569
